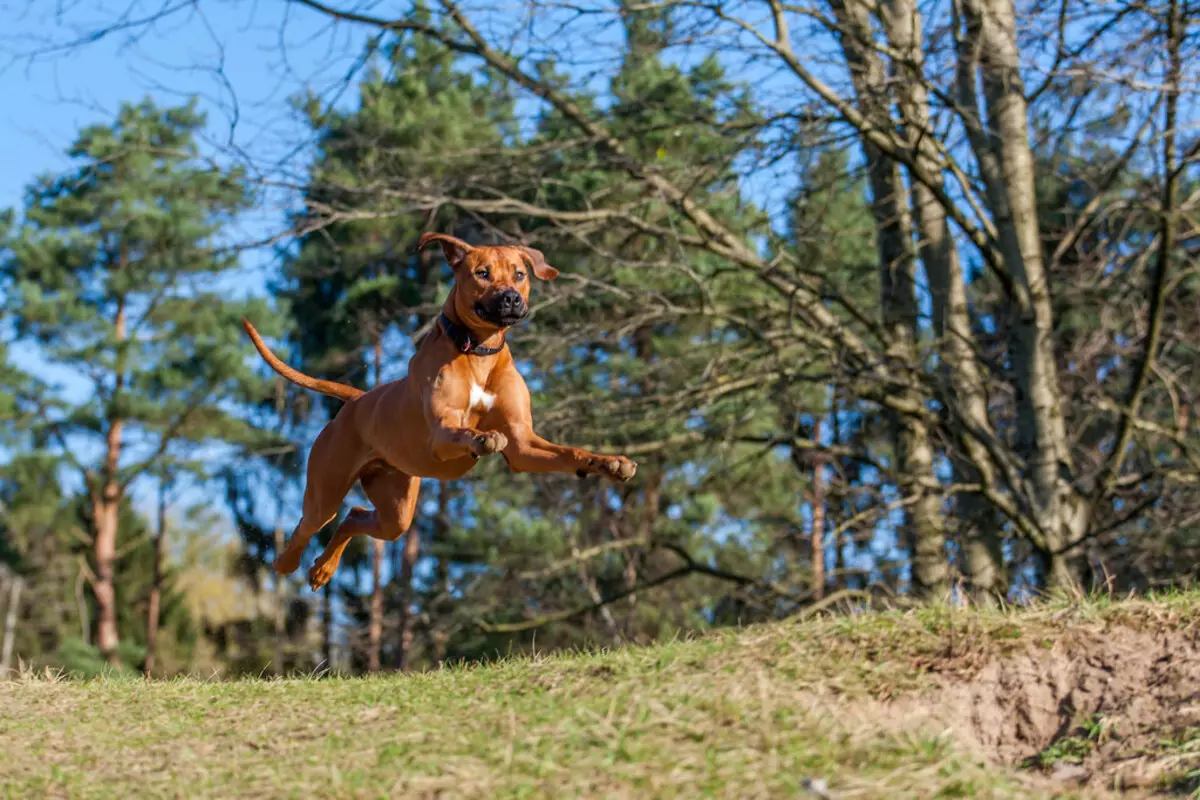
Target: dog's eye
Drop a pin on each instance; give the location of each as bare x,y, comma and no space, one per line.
482,274
520,276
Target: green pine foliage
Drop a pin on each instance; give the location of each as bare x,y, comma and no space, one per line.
132,230
116,278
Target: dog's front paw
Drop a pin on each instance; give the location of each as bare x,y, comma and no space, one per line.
487,443
619,468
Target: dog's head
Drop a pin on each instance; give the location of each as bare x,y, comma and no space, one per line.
491,284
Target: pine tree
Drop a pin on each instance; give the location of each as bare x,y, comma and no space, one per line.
115,276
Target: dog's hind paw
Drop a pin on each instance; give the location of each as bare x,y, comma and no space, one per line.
320,574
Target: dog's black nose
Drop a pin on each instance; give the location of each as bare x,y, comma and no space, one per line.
511,300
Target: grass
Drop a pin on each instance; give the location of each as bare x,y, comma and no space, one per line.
773,711
1181,753
1075,747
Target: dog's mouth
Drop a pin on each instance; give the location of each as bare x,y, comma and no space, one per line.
500,313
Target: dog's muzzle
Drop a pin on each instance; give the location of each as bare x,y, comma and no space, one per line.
503,309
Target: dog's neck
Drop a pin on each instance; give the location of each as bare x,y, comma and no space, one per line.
469,339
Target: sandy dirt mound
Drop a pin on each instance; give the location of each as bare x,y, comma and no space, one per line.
1103,706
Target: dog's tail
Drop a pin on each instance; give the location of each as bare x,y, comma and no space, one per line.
339,390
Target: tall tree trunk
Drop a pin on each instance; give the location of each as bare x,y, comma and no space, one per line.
651,500
105,511
106,507
327,627
15,585
818,519
960,372
643,346
375,623
378,554
438,635
837,497
1003,151
280,609
279,586
925,531
152,613
595,496
816,501
408,561
85,624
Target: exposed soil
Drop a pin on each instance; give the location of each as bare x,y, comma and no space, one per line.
1104,706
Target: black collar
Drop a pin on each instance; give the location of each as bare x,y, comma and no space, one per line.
461,337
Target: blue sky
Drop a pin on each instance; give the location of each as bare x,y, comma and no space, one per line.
240,68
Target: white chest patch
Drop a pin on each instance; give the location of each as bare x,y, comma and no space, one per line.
480,398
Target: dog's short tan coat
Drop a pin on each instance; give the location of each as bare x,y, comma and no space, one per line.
451,409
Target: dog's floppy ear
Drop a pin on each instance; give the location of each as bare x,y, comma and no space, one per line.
537,262
454,249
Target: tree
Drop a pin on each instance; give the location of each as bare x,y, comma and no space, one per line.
115,275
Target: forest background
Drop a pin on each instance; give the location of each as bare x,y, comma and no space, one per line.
891,302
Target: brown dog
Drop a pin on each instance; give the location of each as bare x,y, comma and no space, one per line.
463,398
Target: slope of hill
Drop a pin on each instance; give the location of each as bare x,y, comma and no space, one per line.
1066,699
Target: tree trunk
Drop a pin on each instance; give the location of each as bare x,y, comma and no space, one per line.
156,580
595,496
989,44
925,532
279,586
960,372
327,627
85,624
817,506
818,520
408,562
105,513
106,507
439,637
645,530
375,623
280,610
643,347
378,554
15,585
836,497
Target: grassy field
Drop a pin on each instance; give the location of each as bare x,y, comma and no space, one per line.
1068,699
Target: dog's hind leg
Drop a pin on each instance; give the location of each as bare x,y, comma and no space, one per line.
333,465
394,496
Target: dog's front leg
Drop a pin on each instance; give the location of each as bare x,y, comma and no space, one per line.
528,452
452,439
446,401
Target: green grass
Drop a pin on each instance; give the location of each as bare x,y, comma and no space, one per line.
761,712
1075,747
